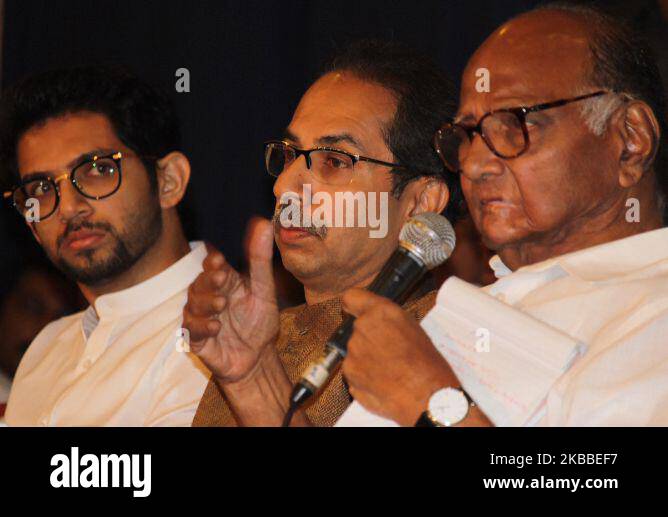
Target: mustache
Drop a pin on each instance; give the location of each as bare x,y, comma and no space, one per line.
318,231
74,226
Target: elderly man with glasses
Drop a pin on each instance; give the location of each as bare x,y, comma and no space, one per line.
563,168
99,180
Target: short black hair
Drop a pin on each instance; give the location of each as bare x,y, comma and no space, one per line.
142,116
623,61
425,101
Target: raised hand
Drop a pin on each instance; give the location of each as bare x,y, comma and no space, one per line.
232,319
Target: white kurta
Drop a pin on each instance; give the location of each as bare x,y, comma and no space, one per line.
119,363
613,298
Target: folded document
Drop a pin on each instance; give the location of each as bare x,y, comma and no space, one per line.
505,359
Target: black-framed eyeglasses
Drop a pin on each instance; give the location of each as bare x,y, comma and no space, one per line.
328,165
96,178
504,131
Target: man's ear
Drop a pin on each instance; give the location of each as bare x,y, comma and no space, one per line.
640,134
425,194
173,176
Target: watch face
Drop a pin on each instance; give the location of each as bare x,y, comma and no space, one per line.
448,406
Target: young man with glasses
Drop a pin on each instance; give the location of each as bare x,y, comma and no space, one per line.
563,168
364,127
99,177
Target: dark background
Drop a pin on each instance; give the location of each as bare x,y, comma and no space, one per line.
249,63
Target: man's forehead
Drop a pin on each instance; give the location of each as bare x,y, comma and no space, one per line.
339,103
531,57
60,140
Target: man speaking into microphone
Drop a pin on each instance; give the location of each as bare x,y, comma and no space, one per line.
364,128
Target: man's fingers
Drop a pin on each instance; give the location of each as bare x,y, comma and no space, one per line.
208,282
213,260
205,304
200,328
260,249
358,301
216,281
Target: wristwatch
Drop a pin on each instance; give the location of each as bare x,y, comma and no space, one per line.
447,407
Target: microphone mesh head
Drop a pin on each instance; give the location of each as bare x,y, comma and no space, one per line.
430,237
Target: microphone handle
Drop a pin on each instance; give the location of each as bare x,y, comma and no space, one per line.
395,281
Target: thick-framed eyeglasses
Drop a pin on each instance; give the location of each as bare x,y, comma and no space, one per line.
96,178
328,165
504,131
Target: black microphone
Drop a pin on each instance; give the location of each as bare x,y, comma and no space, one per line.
425,241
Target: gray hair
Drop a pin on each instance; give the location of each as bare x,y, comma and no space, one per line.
621,61
598,111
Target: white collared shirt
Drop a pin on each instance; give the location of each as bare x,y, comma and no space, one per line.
120,363
614,298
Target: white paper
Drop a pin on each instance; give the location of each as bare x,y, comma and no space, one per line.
505,359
